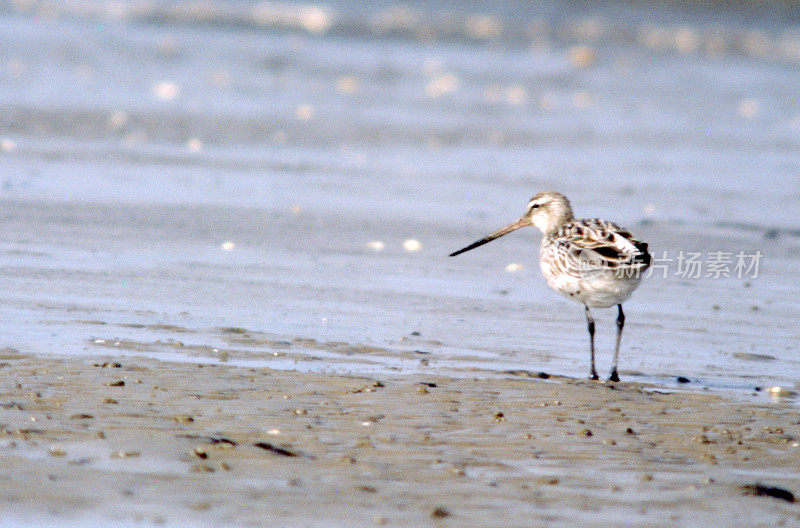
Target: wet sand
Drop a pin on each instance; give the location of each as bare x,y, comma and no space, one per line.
135,440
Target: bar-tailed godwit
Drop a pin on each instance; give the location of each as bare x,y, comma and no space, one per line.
593,262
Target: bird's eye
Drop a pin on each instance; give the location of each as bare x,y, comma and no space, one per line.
535,206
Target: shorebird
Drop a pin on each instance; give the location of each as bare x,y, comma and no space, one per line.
592,262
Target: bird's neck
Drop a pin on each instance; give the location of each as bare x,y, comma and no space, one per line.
561,214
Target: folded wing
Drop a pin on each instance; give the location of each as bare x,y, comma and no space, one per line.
596,245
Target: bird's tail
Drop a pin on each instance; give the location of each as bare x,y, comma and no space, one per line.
644,258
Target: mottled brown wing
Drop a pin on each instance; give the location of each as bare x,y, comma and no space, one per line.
602,243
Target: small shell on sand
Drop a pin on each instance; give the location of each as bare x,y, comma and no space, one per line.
412,245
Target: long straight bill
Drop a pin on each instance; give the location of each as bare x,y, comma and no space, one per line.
513,226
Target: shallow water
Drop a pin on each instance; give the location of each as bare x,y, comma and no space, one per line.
137,139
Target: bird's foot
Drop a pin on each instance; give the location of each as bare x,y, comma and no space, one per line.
614,376
594,376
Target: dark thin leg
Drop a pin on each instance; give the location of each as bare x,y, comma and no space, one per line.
620,325
590,325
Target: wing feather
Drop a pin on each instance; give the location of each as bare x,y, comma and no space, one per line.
600,244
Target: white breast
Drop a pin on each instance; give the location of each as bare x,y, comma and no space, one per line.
578,281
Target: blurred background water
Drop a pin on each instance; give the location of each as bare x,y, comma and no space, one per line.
235,181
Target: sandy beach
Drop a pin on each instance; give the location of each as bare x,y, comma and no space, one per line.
138,441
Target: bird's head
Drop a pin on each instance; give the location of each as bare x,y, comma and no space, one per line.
548,210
